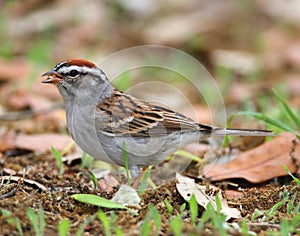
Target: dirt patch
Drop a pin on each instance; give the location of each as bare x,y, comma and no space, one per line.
57,202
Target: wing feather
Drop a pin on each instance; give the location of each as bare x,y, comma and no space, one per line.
122,114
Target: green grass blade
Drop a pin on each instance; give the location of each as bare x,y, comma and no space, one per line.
12,220
157,219
290,204
105,222
267,119
42,221
193,209
288,110
94,179
63,227
82,226
284,227
297,181
176,225
145,227
58,158
18,226
143,185
33,219
97,201
182,208
5,212
168,206
100,201
126,162
271,212
36,221
218,204
188,155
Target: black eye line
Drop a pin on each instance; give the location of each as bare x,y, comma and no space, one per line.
78,74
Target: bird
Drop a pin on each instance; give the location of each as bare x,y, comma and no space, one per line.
107,123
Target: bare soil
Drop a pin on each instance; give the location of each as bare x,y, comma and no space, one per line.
18,196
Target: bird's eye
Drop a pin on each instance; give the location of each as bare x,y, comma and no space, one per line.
74,73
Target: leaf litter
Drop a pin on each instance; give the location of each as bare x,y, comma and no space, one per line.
261,163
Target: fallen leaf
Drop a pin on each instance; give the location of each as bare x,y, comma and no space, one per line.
241,62
9,171
293,85
126,196
187,187
234,194
6,142
37,142
21,100
239,91
246,142
259,164
273,55
198,149
293,54
42,142
13,70
199,112
280,11
178,28
108,183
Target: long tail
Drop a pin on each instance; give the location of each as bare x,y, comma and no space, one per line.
242,132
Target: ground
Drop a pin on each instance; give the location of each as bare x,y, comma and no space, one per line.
249,48
58,203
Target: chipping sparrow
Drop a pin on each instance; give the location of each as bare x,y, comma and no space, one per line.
102,119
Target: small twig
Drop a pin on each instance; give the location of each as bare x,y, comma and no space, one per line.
27,181
264,225
21,115
9,194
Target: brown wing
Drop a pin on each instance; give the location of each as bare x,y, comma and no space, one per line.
122,114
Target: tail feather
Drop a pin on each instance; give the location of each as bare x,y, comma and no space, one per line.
242,132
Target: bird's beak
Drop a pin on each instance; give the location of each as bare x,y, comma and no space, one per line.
53,77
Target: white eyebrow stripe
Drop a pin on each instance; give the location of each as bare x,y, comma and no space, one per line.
59,65
81,69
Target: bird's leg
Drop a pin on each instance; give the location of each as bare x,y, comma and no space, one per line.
137,174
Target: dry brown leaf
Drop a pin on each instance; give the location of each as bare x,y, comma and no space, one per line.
38,142
9,171
108,183
42,142
293,85
199,112
292,54
274,50
259,164
241,62
187,187
16,70
234,194
198,149
23,99
280,11
6,142
178,28
246,142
